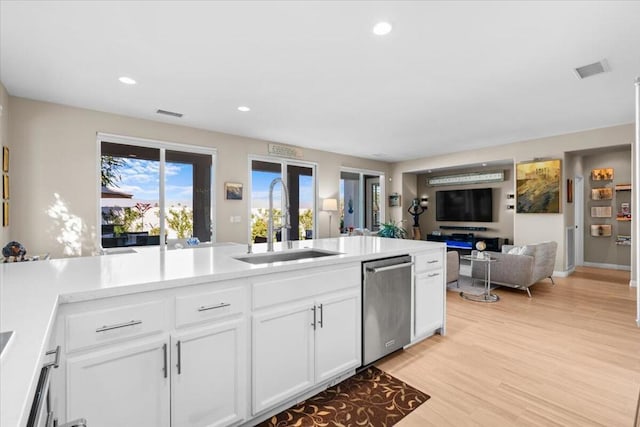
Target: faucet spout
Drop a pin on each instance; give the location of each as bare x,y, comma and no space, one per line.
285,216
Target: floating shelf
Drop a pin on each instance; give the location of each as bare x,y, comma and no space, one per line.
623,187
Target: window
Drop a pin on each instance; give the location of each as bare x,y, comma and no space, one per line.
154,192
360,199
300,181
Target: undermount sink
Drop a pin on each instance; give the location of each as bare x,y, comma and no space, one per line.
292,255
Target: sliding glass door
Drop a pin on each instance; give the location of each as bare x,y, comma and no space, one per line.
299,178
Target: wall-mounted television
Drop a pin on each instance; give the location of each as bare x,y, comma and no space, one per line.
474,205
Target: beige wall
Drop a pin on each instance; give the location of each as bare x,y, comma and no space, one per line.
55,168
603,250
528,228
5,232
502,225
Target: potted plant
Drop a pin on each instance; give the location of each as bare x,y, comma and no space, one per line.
392,229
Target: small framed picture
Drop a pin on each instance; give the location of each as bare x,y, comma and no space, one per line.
5,214
233,191
602,193
603,174
601,230
394,199
601,212
5,159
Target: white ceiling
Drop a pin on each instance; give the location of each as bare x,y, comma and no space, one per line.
450,76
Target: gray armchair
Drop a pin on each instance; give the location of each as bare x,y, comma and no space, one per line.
520,271
453,267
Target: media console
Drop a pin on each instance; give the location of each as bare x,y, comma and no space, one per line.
466,242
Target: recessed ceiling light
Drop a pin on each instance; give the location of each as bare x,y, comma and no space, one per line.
244,108
484,164
382,28
127,80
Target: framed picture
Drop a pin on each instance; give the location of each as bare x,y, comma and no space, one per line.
601,230
604,174
602,193
5,214
5,159
569,191
601,212
538,186
233,191
394,199
5,186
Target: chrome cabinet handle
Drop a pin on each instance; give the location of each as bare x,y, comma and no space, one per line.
390,267
213,307
321,315
314,317
433,274
119,325
433,261
164,351
179,364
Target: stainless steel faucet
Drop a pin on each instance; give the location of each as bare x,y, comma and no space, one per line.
285,216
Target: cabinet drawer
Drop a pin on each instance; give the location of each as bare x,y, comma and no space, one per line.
102,327
428,260
212,305
283,287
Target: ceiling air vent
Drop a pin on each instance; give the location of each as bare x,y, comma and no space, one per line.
592,69
169,113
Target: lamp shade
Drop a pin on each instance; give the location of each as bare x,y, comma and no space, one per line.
330,205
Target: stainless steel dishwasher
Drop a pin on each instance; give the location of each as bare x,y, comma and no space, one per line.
386,306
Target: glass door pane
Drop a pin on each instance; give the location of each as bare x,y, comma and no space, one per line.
188,195
129,201
349,201
262,174
300,181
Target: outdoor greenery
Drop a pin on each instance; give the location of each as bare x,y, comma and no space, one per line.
110,170
260,222
180,219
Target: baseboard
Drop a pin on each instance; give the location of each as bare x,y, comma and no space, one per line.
564,273
609,266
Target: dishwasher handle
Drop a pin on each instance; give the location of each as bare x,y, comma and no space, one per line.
389,267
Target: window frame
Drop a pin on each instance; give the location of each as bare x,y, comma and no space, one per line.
162,146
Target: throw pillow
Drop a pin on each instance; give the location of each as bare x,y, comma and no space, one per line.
516,250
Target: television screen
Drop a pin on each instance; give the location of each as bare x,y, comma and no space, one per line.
464,205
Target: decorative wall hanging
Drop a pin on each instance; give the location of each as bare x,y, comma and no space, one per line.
601,193
394,199
601,212
5,159
233,191
538,186
604,174
601,230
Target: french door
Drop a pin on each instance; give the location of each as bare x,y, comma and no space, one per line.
299,177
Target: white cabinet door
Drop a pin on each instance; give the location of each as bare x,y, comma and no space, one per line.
338,338
282,364
429,306
124,385
208,382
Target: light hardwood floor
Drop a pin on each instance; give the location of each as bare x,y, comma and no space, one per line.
568,356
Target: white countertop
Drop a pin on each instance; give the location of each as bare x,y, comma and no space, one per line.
30,292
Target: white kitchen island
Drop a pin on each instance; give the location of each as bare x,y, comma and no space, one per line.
175,325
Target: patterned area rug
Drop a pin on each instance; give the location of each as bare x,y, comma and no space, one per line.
370,398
